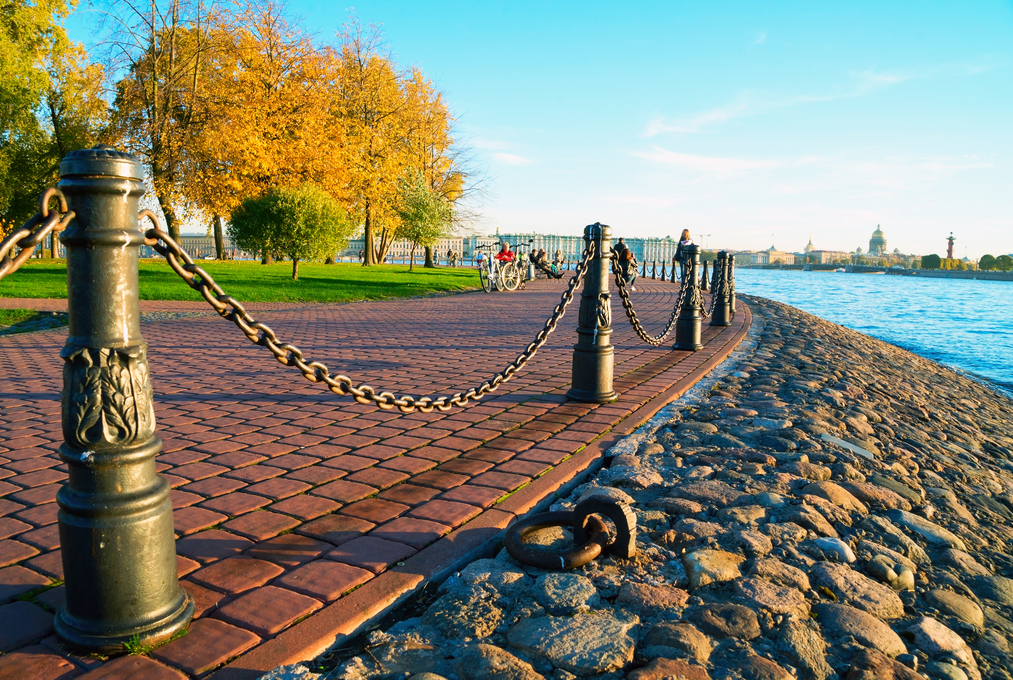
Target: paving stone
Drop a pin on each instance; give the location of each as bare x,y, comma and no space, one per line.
131,667
50,564
267,610
344,491
212,545
278,488
305,507
12,527
418,533
374,510
17,580
37,663
481,496
371,553
215,486
191,520
260,525
324,580
208,644
32,624
12,551
289,550
236,574
316,475
409,494
445,512
335,529
205,600
236,503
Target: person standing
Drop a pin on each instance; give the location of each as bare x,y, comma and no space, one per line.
682,253
627,264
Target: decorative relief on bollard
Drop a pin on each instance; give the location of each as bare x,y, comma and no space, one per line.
687,326
721,313
115,518
593,355
703,276
731,282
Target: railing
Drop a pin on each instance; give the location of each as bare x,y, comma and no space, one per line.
115,519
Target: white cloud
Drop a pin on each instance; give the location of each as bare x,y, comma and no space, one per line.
707,164
862,83
512,159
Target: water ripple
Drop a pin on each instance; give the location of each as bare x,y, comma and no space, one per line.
961,323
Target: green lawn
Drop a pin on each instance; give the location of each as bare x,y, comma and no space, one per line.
9,317
254,282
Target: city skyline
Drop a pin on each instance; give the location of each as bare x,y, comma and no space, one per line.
755,125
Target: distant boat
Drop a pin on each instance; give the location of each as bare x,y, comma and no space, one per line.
839,270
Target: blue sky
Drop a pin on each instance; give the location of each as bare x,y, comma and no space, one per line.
752,123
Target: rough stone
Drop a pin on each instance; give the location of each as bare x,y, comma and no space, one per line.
711,492
669,669
682,638
774,598
964,562
936,640
856,589
876,497
932,532
565,593
487,662
648,599
776,571
583,644
456,615
800,639
837,495
997,588
872,665
707,566
725,620
957,606
840,623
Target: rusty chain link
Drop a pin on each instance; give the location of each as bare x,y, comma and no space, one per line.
624,295
314,371
34,232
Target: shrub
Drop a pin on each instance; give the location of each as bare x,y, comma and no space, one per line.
931,262
986,263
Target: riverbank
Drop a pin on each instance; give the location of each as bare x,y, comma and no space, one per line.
836,507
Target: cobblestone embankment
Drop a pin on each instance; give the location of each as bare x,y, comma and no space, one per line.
835,508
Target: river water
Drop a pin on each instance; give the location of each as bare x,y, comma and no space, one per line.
964,324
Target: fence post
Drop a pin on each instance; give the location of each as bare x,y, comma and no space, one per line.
673,270
721,313
654,270
662,270
730,282
115,518
687,326
593,355
703,276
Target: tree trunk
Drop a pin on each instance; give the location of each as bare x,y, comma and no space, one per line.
268,258
329,260
170,220
411,262
219,239
429,258
369,256
295,268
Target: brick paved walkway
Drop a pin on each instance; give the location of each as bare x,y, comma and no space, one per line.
288,497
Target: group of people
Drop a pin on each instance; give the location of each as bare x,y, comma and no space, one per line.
628,261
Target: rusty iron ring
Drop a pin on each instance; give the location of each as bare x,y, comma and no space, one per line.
547,559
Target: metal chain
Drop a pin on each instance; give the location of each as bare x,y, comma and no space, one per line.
34,232
624,295
717,287
314,371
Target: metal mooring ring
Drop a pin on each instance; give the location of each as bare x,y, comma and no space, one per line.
622,516
547,559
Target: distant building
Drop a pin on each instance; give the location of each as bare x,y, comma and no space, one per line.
770,256
402,248
877,244
203,248
827,256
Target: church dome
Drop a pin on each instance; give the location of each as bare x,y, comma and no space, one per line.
877,244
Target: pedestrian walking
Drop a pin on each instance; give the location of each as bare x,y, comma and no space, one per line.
682,252
627,264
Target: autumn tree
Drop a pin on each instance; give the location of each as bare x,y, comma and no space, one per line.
303,223
425,214
272,108
162,102
50,102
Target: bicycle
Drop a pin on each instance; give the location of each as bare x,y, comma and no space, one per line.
501,276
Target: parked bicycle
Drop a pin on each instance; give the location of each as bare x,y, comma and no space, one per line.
497,275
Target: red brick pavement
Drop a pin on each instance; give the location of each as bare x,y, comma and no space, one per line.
291,500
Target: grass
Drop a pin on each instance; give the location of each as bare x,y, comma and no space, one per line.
254,282
9,317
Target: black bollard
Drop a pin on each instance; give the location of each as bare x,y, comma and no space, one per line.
645,269
654,270
721,314
731,282
662,271
115,518
703,276
687,326
593,355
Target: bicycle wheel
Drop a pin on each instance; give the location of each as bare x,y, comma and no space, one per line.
512,276
483,275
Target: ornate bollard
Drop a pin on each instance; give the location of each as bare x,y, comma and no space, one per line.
687,326
730,282
593,355
721,313
645,269
654,270
703,276
115,518
662,271
673,270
